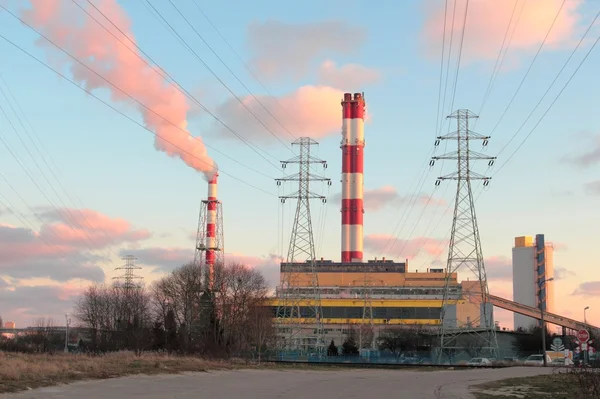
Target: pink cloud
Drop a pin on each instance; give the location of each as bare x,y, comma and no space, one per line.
487,22
280,50
163,107
85,227
498,269
65,245
404,249
378,198
349,77
313,111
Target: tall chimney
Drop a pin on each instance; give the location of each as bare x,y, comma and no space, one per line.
353,142
211,227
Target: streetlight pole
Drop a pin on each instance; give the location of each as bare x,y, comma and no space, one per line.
585,352
584,315
67,333
543,322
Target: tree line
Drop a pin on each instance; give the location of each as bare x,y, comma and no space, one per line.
176,313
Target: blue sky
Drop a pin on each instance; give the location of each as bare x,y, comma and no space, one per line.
108,164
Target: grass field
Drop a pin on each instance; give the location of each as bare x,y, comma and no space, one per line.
553,386
23,371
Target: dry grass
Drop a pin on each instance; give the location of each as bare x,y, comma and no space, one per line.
551,386
25,371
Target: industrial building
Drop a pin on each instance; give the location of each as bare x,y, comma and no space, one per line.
378,292
532,265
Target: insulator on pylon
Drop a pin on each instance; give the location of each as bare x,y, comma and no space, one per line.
283,200
491,163
324,200
485,143
283,165
329,182
432,162
437,142
437,182
278,183
486,182
325,165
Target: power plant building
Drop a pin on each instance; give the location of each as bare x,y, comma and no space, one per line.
532,265
394,294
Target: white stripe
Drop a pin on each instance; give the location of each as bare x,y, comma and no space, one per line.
345,131
212,190
356,185
359,131
211,242
356,237
211,217
345,237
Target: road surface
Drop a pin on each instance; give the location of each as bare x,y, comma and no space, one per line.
286,384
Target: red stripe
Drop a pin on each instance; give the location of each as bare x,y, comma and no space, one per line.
356,211
346,256
212,205
346,211
358,164
210,257
346,110
352,159
213,179
356,255
346,159
211,228
358,106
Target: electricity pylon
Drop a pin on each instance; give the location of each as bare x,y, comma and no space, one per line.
301,258
464,252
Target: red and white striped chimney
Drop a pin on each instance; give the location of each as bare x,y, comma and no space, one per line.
211,229
353,142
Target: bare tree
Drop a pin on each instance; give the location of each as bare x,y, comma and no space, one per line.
260,329
241,289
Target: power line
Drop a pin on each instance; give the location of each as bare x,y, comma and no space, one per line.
165,75
549,107
127,116
555,79
246,65
528,69
216,76
229,69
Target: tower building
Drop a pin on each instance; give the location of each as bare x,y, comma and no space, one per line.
532,265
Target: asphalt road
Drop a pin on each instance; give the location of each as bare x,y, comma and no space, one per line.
286,384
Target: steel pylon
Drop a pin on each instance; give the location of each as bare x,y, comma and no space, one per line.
301,259
465,257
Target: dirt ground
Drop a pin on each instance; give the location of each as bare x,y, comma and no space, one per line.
286,384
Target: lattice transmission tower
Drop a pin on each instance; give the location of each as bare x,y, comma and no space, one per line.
292,317
465,257
366,285
127,281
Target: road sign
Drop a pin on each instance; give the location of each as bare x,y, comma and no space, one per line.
557,348
583,335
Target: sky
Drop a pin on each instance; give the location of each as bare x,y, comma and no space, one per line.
113,114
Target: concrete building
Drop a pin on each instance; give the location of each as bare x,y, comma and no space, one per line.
532,263
395,295
10,324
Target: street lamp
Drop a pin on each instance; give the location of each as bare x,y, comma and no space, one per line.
543,323
68,321
584,317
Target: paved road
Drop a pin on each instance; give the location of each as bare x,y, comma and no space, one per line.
286,384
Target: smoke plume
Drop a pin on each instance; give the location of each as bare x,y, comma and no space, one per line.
164,108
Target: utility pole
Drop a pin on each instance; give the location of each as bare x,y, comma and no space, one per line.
301,254
464,252
67,321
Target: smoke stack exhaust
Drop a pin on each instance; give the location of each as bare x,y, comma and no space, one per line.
211,228
352,145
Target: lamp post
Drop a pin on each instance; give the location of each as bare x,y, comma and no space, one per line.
68,321
543,322
584,315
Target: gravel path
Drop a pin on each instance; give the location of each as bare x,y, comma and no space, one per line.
286,384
